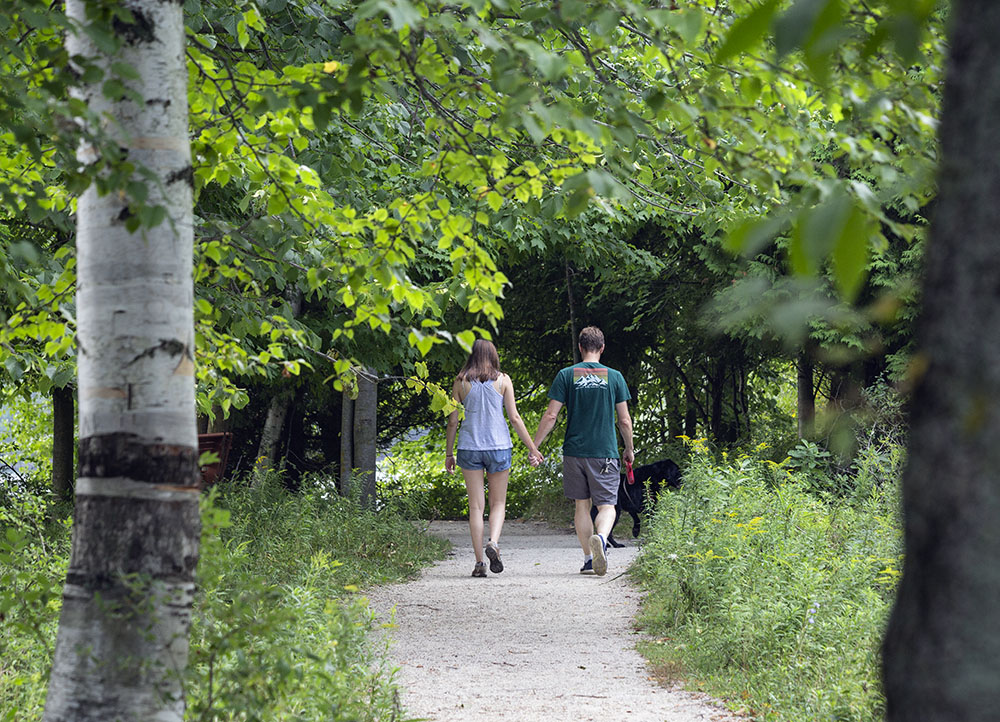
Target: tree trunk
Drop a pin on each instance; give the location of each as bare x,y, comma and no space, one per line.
690,411
365,427
270,435
63,428
277,412
330,422
573,342
806,396
346,442
942,646
295,444
718,389
123,629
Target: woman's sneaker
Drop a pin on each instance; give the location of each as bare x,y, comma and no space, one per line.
588,567
493,554
479,570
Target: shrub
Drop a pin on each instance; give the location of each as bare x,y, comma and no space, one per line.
413,476
279,629
769,594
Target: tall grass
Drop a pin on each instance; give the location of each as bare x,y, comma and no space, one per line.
768,594
280,628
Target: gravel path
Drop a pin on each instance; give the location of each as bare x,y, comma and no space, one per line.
539,641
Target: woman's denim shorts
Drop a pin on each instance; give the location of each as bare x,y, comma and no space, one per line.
492,461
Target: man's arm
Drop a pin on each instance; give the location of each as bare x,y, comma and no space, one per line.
625,427
548,421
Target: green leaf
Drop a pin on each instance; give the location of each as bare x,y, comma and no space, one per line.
465,340
747,32
817,232
851,254
753,235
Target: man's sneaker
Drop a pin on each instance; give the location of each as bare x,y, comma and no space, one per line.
479,570
493,554
599,548
587,568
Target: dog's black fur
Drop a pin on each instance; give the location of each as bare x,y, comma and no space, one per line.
649,480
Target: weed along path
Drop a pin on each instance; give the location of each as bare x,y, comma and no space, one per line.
539,641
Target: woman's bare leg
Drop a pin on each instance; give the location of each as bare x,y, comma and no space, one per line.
477,503
498,502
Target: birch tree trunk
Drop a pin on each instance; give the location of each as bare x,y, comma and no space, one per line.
270,435
277,412
123,631
942,647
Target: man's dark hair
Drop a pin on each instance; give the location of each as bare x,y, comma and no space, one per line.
591,339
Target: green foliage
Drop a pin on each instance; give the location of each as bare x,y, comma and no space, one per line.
280,629
34,555
770,596
413,476
812,463
26,442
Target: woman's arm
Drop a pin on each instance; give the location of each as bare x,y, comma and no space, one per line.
515,418
449,460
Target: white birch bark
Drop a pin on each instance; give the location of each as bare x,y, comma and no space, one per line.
123,632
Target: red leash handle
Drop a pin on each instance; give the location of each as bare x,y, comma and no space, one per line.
628,472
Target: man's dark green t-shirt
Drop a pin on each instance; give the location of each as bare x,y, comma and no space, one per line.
589,391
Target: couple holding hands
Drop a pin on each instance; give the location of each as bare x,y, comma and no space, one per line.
596,400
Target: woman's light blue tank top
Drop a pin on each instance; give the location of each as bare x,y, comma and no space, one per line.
484,427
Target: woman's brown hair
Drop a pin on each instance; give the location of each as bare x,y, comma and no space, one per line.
483,363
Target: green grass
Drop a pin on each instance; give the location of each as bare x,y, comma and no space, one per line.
769,595
280,629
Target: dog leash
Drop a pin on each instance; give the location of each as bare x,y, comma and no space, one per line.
630,479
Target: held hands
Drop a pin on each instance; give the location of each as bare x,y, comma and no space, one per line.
535,457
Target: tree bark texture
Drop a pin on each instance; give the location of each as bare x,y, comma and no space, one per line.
346,442
806,392
63,436
270,435
123,632
365,432
942,646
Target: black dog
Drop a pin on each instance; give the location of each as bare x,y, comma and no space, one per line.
649,479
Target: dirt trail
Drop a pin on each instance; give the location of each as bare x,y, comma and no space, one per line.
539,641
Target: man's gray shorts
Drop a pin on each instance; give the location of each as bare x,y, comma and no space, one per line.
591,478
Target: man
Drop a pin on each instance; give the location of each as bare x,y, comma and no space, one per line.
594,395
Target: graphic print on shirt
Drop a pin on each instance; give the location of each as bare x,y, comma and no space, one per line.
584,378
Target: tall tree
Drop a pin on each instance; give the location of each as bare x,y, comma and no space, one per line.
943,642
123,631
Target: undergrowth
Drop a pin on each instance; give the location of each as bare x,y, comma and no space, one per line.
771,595
280,629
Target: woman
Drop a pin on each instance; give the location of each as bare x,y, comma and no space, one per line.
484,445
